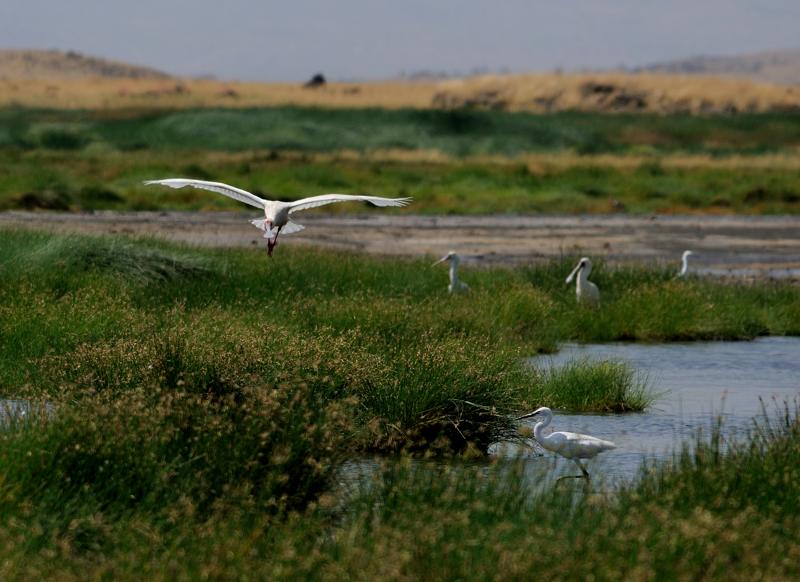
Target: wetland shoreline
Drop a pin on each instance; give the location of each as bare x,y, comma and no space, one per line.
749,246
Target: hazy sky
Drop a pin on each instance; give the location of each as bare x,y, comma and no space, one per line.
248,39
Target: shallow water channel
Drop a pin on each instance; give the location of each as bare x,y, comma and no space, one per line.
695,382
15,410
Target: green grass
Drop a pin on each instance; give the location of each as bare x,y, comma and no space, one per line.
459,132
85,160
206,400
585,385
94,180
719,510
114,314
424,371
111,316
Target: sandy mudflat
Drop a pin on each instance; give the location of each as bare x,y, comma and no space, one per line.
748,245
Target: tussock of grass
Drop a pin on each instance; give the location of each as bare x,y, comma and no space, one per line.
122,258
445,397
78,256
160,459
58,136
585,385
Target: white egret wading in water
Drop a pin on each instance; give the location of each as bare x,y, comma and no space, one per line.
570,445
276,213
685,263
455,286
585,290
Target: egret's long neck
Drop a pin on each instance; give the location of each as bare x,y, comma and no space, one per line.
538,429
453,272
684,265
583,276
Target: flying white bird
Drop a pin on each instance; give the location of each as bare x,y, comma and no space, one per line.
685,263
570,445
585,290
276,213
455,286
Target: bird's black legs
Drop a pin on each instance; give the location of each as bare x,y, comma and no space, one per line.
583,469
273,242
584,475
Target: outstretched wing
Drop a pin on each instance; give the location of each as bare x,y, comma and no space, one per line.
219,187
315,201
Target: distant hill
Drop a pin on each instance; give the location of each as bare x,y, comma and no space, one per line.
57,79
544,93
58,65
779,67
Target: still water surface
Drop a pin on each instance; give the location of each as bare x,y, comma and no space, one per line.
16,410
697,382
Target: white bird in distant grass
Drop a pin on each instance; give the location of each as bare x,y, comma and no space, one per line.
276,213
570,445
586,291
685,263
456,285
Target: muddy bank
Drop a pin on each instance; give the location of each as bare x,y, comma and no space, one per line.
738,245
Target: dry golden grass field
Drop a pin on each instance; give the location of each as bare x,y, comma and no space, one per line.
55,79
610,92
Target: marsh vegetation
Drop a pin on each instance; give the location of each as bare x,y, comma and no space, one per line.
206,400
450,161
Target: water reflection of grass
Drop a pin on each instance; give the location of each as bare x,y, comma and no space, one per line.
205,400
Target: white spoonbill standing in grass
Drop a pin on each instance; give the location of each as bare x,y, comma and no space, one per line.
570,445
585,290
685,263
456,285
277,213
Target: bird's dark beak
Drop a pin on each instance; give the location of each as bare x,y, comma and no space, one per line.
574,272
528,415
